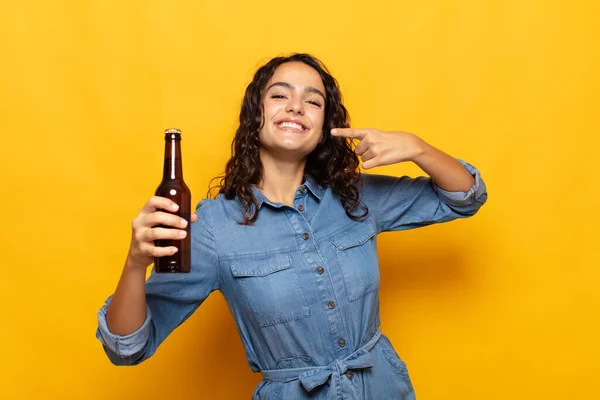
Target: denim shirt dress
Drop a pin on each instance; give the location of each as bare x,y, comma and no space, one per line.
302,284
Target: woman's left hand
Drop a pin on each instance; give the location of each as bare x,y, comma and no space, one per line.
378,148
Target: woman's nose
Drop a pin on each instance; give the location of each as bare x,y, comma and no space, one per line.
295,106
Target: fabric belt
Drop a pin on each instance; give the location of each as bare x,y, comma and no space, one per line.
311,377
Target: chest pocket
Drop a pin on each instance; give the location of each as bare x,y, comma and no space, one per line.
356,250
272,289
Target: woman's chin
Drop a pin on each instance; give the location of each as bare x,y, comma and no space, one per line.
291,150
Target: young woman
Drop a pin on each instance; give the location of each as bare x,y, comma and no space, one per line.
290,242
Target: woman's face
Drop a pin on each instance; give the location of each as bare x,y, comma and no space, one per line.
294,109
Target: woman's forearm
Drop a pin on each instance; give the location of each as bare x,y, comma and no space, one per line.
127,308
447,172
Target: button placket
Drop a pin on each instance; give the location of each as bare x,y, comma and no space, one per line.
326,287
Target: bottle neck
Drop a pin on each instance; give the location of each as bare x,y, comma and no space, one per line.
172,168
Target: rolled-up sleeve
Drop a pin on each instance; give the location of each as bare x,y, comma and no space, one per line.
400,203
170,298
122,347
465,202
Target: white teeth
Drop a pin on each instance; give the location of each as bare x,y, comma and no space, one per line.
291,125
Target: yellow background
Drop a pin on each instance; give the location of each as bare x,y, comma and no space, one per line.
500,306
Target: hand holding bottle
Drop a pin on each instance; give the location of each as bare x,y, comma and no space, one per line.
155,221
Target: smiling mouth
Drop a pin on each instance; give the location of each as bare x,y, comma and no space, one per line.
291,126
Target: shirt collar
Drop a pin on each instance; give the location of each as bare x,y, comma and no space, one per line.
260,197
315,188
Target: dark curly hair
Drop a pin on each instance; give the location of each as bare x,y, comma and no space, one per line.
333,163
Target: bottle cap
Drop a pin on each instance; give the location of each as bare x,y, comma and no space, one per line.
173,134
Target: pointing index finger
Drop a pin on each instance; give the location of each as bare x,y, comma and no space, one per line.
349,133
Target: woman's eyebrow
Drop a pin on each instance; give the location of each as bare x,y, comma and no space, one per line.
288,85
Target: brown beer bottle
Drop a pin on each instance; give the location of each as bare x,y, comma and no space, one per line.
173,187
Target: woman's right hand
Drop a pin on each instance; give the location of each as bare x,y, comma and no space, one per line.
145,231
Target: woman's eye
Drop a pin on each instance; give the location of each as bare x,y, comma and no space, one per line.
314,103
277,96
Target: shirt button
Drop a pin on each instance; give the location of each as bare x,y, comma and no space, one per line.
305,236
320,270
331,304
302,190
350,375
342,342
300,207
